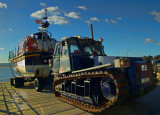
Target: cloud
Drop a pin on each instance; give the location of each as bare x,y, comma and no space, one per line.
43,4
148,40
106,20
72,15
113,21
94,19
157,43
88,22
119,18
1,48
55,15
82,7
10,29
41,13
58,20
38,14
3,5
156,14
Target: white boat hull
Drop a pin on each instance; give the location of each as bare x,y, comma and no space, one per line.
25,65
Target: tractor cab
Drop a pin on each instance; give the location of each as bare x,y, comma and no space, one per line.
74,53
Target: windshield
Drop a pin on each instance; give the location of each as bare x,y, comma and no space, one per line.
91,47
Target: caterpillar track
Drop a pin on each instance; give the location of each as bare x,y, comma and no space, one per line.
119,80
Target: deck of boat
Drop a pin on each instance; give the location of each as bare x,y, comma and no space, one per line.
26,101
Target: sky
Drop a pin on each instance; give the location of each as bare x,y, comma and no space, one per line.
127,26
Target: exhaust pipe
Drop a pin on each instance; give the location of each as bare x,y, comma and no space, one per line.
92,33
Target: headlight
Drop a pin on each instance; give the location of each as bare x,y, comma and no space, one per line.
153,61
122,62
100,39
45,61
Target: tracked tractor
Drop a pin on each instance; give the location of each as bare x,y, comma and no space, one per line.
85,77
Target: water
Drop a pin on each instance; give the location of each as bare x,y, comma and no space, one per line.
5,72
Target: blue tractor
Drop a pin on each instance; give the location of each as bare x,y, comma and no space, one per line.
85,77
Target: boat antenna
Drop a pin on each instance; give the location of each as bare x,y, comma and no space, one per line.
45,24
45,18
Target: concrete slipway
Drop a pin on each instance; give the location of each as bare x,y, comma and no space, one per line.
26,101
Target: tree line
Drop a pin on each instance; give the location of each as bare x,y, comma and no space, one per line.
145,58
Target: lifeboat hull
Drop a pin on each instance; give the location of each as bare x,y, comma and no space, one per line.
32,64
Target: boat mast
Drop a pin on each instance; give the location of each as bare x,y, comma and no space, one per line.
45,18
44,25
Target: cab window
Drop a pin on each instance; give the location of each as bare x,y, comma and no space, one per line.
87,49
96,48
64,51
73,47
57,52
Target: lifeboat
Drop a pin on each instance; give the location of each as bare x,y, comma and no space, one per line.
32,56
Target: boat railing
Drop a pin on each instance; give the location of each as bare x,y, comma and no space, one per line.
23,47
13,53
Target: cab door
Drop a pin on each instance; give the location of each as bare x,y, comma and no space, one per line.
64,58
56,58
